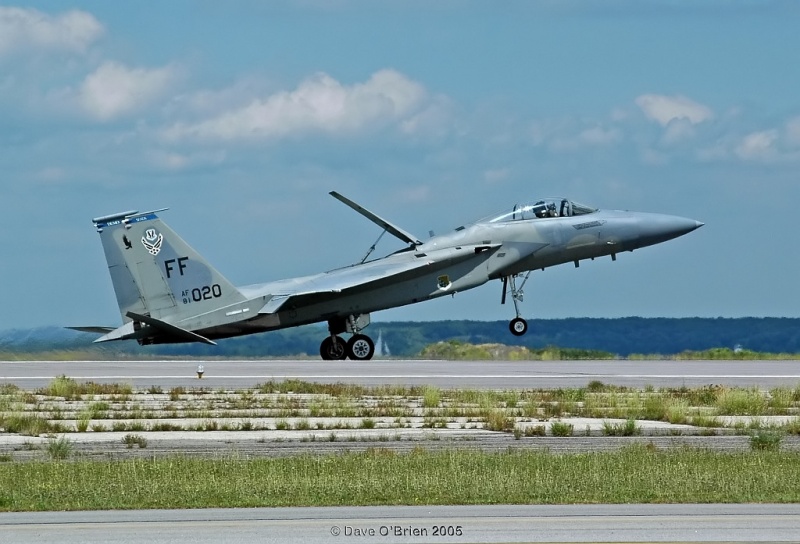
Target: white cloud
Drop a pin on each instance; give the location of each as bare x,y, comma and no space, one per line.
209,102
414,194
175,162
600,136
715,152
571,134
51,174
678,130
758,146
22,28
664,109
496,175
654,157
431,121
793,132
320,104
114,90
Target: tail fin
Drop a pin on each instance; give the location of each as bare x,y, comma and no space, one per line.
155,273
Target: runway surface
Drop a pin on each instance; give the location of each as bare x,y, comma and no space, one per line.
443,374
494,524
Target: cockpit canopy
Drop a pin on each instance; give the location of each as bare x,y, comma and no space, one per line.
547,207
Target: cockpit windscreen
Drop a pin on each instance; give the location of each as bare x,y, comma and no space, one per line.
541,209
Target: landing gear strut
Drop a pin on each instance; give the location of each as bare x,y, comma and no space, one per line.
360,347
518,326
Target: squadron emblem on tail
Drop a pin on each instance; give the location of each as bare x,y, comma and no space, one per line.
152,241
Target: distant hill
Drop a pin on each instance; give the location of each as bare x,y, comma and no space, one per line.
623,336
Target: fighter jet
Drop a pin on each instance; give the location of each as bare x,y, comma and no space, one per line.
168,293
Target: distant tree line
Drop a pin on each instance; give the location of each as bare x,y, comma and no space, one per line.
620,336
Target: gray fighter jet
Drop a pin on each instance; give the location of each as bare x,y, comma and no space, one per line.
167,292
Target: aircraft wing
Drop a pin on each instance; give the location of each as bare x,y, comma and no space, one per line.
368,276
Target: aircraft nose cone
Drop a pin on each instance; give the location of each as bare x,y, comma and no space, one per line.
657,228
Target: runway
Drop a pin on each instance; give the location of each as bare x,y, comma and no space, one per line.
444,374
403,524
491,524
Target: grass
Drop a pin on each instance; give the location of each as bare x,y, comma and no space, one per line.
559,428
533,430
629,428
68,388
367,423
766,439
431,397
28,424
741,402
59,448
290,404
497,420
176,392
83,421
381,476
131,440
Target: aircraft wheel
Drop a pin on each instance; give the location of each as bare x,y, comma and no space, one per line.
331,351
360,347
518,326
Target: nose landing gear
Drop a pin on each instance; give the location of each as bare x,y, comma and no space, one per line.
518,326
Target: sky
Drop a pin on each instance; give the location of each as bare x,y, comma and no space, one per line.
241,116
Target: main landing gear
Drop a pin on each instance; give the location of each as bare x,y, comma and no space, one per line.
518,326
359,347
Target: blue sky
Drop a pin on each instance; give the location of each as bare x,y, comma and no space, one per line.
241,116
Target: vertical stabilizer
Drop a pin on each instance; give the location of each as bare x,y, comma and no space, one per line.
155,273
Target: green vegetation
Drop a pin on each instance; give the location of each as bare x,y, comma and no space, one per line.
718,354
629,428
302,406
431,397
690,337
131,440
559,428
29,424
498,420
59,448
766,439
460,351
68,388
378,476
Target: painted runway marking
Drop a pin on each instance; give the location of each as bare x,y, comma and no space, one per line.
395,376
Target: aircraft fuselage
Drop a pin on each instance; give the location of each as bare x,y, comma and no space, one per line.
168,293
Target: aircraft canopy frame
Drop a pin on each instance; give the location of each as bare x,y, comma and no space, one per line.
542,209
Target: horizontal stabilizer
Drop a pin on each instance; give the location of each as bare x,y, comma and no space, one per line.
170,328
388,227
97,330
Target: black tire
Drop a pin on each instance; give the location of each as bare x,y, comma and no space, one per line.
360,348
518,326
333,352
